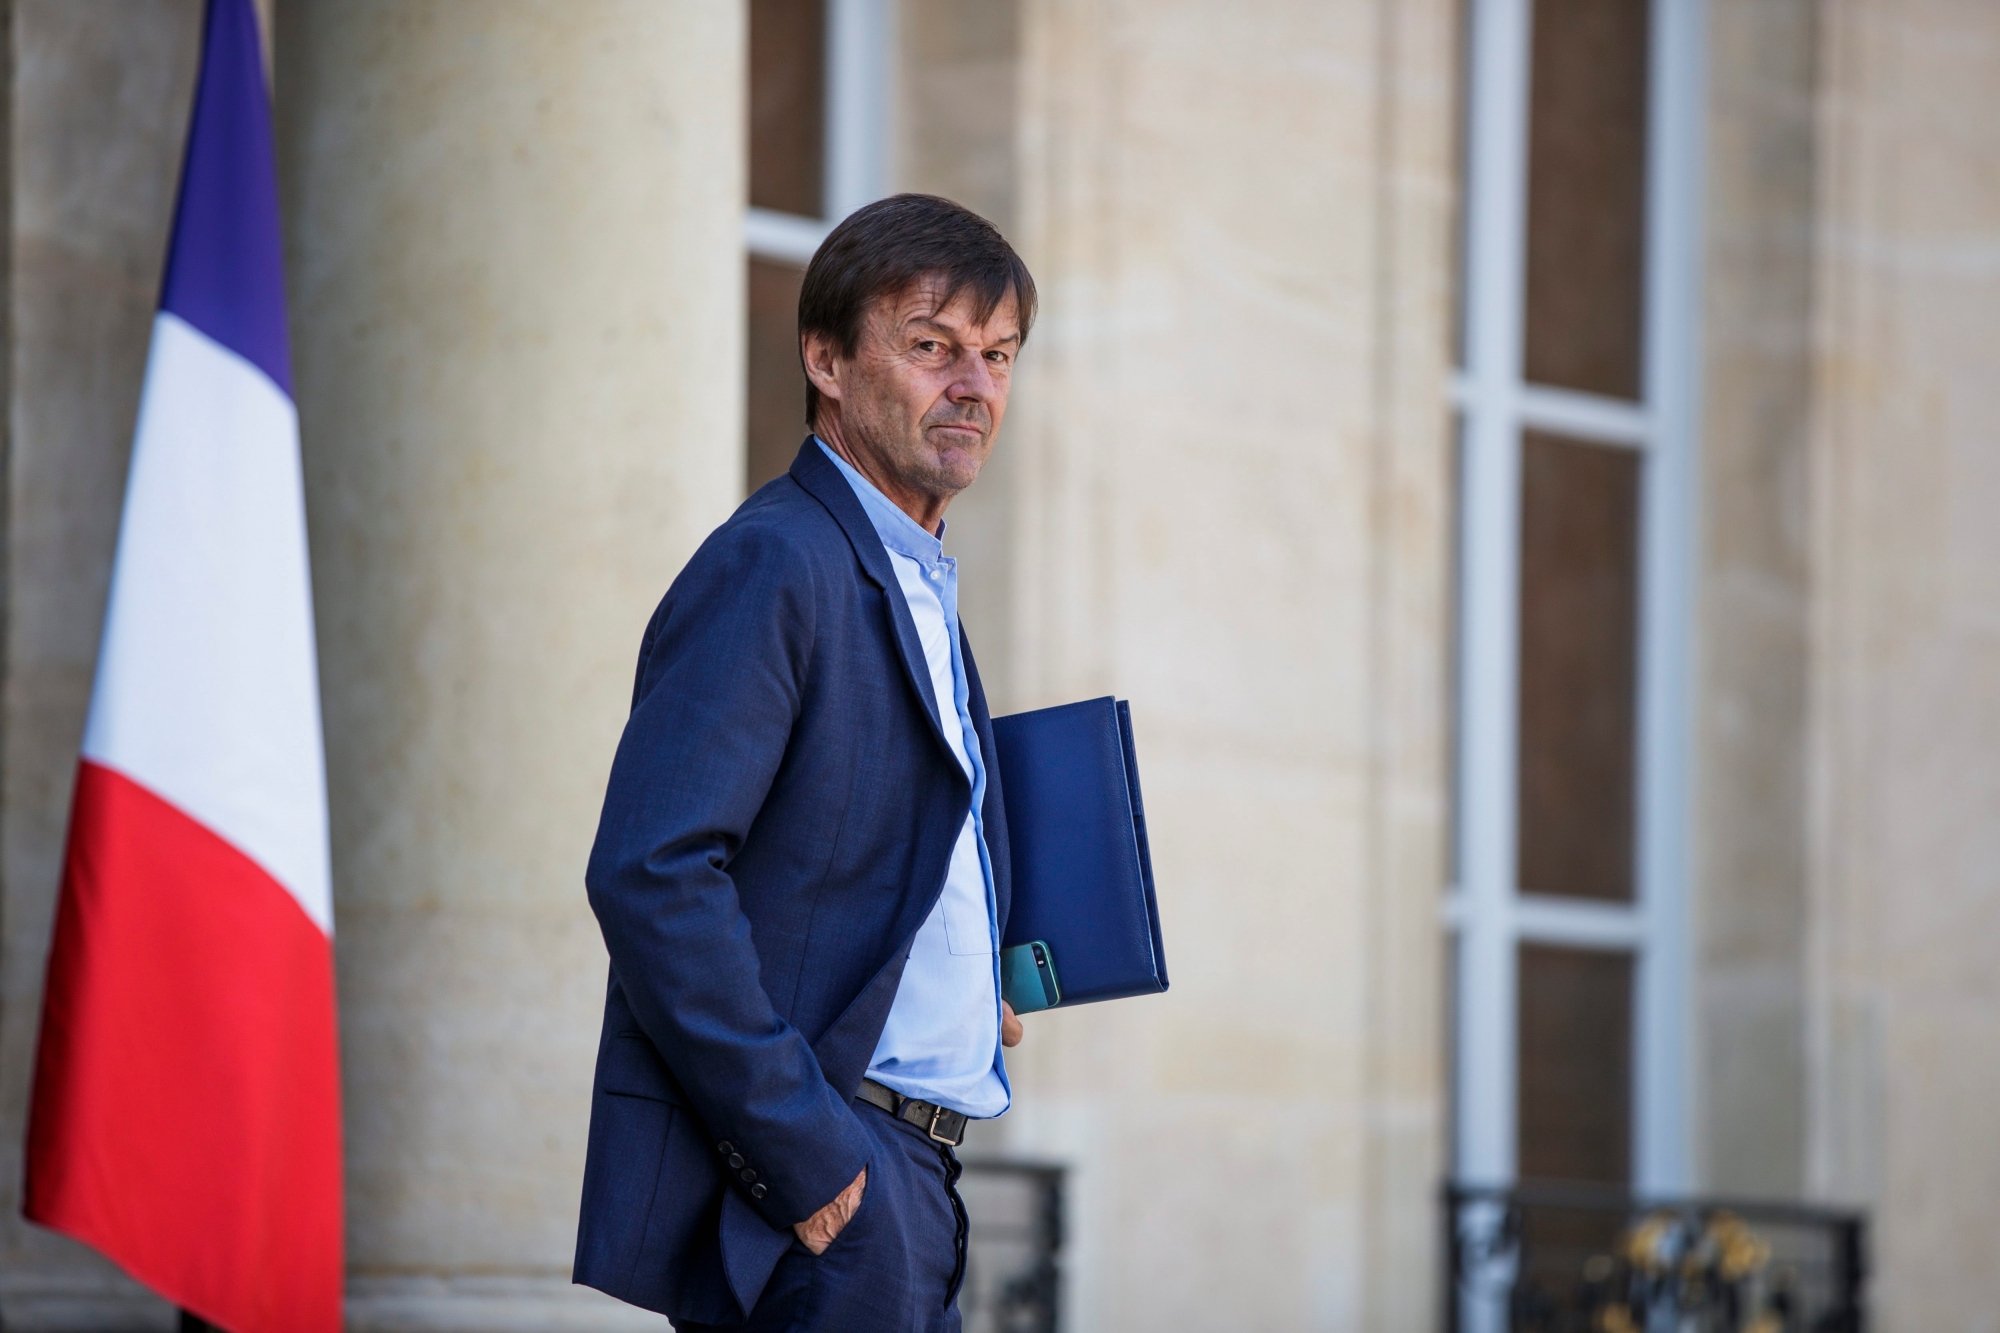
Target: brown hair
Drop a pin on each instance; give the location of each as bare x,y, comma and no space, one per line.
880,250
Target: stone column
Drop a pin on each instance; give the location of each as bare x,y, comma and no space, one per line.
96,108
515,255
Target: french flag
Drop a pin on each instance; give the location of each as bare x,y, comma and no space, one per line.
186,1112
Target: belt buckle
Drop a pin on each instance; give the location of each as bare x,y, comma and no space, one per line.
931,1130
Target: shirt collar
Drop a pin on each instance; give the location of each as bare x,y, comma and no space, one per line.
898,531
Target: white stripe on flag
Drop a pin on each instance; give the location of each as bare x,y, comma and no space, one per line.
207,690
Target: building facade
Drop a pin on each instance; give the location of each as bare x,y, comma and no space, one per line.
1526,463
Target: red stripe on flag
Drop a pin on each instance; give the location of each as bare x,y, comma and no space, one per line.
186,1116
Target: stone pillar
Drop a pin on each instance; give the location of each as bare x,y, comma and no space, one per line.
1231,490
96,101
515,254
1904,714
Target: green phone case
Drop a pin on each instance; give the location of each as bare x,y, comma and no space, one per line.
1028,977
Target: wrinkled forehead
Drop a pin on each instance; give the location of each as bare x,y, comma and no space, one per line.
930,298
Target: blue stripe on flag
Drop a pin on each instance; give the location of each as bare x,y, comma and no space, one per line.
225,266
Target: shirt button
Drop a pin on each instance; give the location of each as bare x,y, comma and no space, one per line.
736,1161
757,1191
938,575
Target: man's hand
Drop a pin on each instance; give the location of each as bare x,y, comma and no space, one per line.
817,1232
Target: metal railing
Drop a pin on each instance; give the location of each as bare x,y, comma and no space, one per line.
1013,1272
1563,1258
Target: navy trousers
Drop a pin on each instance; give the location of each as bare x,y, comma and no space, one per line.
894,1268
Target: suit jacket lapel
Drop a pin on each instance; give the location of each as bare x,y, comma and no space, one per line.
823,481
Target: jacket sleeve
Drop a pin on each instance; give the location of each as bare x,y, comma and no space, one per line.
720,679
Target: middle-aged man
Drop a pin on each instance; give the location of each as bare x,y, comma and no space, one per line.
801,870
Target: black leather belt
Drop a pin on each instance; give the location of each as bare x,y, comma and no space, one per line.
943,1124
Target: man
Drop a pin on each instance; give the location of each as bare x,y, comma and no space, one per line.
801,870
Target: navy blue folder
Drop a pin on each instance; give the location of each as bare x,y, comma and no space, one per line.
1083,875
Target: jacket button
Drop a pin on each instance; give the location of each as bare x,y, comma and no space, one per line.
749,1176
757,1191
735,1161
725,1147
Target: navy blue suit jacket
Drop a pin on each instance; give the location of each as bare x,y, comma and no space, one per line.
779,821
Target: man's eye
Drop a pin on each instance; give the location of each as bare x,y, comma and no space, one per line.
928,345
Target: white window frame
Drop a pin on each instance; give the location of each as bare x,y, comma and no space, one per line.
1485,910
860,40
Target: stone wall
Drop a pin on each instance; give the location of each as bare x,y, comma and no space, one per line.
1850,865
1750,826
1904,713
1229,491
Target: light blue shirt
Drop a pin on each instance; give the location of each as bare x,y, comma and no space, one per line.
942,1040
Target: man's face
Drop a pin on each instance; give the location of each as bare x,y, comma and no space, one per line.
921,399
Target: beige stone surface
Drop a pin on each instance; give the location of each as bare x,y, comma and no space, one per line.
1750,826
1228,490
514,249
958,96
97,103
1223,492
1904,887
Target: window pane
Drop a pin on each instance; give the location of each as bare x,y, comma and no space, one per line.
777,406
1586,195
1576,1065
1579,627
787,105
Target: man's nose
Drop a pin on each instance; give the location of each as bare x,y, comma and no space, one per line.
974,381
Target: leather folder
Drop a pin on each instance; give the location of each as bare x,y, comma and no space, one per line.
1076,831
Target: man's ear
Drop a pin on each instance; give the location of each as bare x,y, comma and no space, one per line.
822,362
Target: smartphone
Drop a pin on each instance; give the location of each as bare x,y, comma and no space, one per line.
1028,977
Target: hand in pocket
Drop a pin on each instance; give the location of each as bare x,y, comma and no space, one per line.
817,1232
